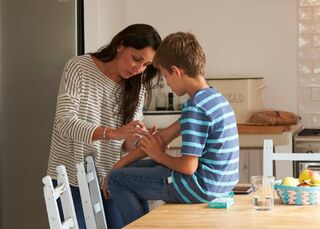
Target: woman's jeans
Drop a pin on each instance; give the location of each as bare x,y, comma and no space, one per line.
113,217
133,186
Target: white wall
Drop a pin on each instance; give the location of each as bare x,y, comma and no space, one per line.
103,19
253,37
239,36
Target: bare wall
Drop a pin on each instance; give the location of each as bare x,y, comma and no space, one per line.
254,37
103,19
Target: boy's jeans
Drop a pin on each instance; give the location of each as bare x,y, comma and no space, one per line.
132,186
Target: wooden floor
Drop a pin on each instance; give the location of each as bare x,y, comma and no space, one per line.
240,215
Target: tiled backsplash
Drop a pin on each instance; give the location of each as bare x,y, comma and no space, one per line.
309,62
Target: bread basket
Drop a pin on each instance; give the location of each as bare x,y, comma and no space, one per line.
297,195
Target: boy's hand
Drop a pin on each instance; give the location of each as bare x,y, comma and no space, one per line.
153,146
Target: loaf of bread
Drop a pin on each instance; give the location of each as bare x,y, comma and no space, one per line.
274,118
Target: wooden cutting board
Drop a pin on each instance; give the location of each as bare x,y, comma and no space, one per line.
261,129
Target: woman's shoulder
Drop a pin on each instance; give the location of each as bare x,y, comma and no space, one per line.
78,62
80,59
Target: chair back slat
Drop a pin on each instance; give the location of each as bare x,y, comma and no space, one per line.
90,195
269,156
63,192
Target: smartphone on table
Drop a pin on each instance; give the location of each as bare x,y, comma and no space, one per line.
242,189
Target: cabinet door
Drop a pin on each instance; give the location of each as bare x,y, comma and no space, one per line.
243,166
255,163
174,152
250,164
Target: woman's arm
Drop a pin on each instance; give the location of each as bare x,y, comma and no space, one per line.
132,130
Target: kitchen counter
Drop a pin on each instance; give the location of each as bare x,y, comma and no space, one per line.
252,136
240,215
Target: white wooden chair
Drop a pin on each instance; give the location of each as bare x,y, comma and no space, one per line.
90,195
269,157
63,192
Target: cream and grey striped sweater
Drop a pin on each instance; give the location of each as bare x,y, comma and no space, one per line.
86,100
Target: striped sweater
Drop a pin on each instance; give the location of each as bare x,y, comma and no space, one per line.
86,100
209,132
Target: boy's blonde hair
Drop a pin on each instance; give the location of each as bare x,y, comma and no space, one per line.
182,50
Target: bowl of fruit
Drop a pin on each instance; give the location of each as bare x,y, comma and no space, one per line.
304,190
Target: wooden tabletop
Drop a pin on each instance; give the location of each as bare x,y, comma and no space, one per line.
240,215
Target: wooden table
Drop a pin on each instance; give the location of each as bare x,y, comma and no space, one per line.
240,215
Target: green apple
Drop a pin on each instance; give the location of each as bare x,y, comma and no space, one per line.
290,181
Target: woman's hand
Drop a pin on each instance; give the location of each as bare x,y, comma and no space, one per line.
133,142
151,131
105,191
132,129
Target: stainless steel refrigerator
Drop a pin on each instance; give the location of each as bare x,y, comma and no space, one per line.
37,37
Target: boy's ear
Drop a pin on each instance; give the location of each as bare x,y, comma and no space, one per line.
176,71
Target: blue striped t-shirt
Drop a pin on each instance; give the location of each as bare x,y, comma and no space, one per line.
208,131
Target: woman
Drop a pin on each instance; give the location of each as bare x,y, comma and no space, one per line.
100,96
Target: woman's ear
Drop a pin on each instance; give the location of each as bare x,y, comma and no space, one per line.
120,48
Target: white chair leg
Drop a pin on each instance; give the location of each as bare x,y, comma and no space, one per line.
91,196
66,197
51,203
95,193
85,197
63,192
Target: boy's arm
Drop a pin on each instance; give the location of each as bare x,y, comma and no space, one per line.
168,134
131,157
152,146
185,164
135,153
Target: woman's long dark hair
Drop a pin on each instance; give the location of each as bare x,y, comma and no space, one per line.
138,36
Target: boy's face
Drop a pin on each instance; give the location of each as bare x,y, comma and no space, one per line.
173,81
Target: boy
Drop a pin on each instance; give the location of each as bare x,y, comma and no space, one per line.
208,166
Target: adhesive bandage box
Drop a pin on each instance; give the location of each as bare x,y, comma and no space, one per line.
222,202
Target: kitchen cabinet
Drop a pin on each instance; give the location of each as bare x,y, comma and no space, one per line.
250,164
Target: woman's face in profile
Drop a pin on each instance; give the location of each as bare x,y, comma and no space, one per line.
131,61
